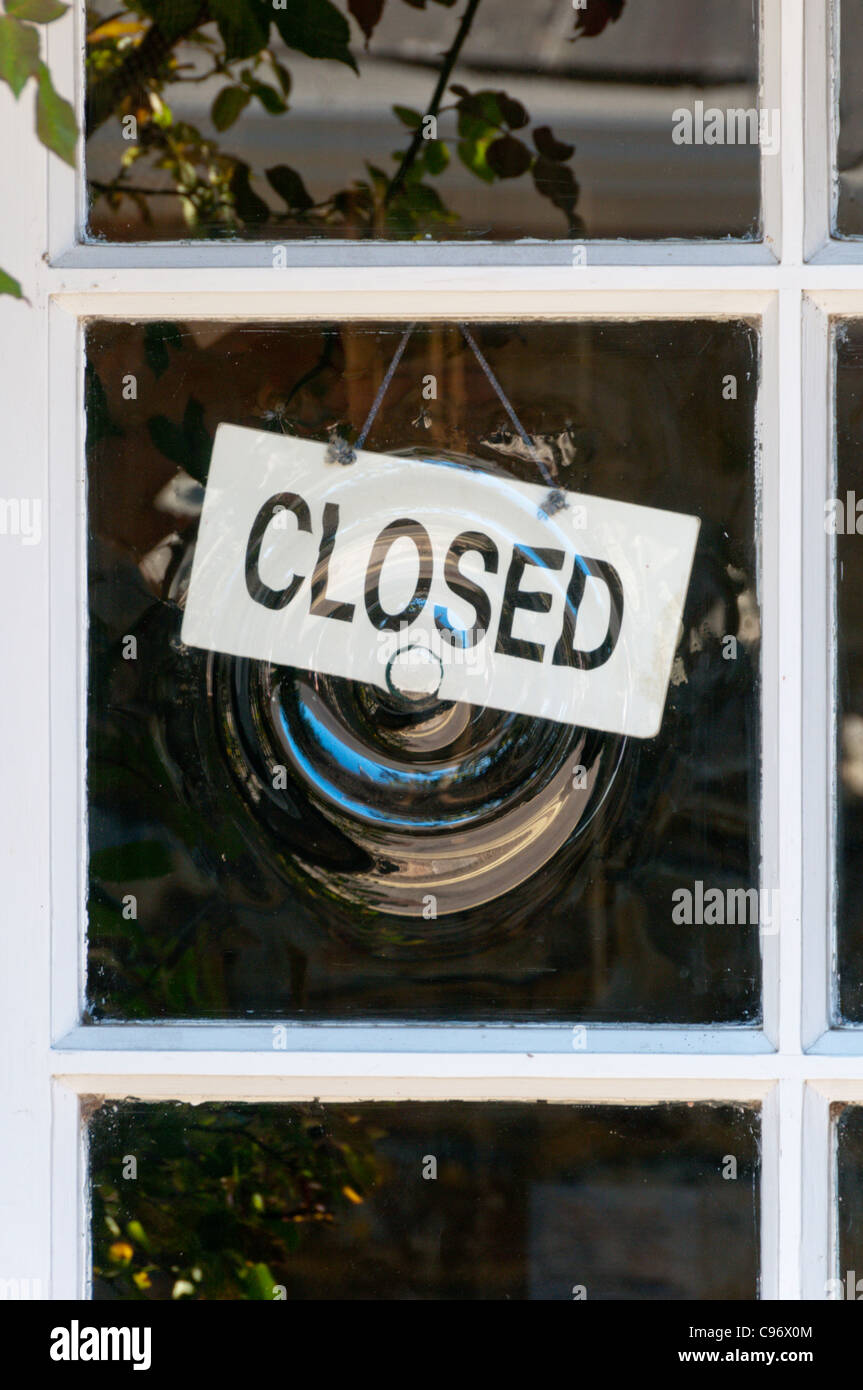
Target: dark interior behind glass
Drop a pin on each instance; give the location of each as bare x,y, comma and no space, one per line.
433,1200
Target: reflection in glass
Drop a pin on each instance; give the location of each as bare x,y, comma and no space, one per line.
848,1121
401,119
218,888
848,211
842,519
445,1200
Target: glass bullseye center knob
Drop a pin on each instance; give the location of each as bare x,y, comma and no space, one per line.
414,673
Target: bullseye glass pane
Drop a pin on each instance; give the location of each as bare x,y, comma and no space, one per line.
383,120
462,724
442,1200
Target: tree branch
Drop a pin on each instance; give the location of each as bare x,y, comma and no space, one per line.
450,60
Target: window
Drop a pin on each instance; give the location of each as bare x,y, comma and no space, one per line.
208,958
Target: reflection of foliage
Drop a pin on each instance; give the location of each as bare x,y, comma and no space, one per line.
133,56
595,15
223,1196
19,61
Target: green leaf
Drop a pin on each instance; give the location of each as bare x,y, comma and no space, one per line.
135,1231
472,154
550,148
267,96
284,77
290,187
19,53
128,863
408,116
479,114
316,28
157,336
423,199
55,119
173,17
9,285
437,156
39,11
243,28
228,105
508,157
259,1282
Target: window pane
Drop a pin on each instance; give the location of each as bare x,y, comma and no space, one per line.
611,120
849,673
849,154
849,1136
271,842
449,1200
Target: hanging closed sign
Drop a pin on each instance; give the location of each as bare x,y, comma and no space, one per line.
439,582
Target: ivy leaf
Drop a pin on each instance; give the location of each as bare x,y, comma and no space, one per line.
55,119
244,30
290,187
39,11
508,157
549,147
366,13
19,53
316,28
596,14
157,336
9,285
557,183
228,105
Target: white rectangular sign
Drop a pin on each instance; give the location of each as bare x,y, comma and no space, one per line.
435,579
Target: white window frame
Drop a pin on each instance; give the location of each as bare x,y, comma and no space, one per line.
796,1065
